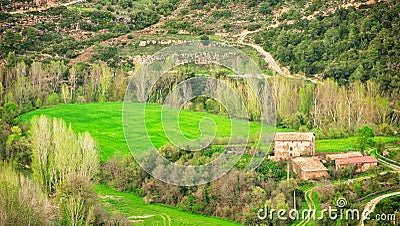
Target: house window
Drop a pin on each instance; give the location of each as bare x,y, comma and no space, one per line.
291,154
291,148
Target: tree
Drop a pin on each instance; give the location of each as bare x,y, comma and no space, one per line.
73,79
59,153
9,112
21,93
55,70
22,201
37,77
365,138
10,42
65,93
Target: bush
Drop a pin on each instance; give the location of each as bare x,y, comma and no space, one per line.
22,202
124,174
77,199
227,27
204,38
385,129
53,99
253,27
183,12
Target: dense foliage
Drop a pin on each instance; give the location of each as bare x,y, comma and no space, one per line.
348,45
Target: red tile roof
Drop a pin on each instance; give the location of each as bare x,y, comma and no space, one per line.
355,160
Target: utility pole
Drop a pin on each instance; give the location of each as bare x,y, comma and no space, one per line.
288,172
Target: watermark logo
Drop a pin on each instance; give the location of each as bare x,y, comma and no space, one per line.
145,88
341,202
331,213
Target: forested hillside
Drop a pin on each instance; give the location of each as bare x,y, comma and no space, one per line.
348,45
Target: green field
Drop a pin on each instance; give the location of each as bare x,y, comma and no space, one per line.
345,144
151,214
104,122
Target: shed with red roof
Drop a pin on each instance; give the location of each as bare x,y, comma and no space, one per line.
362,163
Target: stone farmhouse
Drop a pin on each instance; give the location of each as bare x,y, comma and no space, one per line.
309,168
288,145
362,163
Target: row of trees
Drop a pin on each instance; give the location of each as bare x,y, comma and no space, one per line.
31,86
333,109
329,108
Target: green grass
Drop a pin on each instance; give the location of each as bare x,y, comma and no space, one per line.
132,205
345,144
104,122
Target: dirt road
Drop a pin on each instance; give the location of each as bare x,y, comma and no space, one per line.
370,207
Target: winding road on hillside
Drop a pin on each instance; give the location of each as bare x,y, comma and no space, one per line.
372,204
370,207
267,57
384,161
272,64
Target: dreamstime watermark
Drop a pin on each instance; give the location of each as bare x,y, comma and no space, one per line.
332,213
146,86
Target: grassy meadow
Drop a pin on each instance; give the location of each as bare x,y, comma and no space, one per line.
104,122
151,214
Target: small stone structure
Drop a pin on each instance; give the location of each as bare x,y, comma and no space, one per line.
344,155
288,145
309,168
362,163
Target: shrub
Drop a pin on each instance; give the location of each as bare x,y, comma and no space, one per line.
53,99
204,38
183,12
227,27
385,129
22,202
77,199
